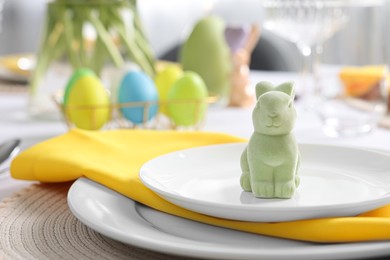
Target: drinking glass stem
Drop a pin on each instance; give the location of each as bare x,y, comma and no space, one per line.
306,72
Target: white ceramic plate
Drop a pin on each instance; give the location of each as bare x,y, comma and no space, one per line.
17,67
335,181
122,219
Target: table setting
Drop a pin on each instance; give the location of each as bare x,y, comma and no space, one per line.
153,159
100,207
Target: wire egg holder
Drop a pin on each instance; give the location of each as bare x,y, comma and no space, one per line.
118,121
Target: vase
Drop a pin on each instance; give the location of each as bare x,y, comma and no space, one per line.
102,35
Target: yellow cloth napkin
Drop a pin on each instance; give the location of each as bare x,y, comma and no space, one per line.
113,158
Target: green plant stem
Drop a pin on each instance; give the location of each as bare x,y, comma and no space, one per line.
100,52
140,37
130,42
79,38
106,39
52,34
67,19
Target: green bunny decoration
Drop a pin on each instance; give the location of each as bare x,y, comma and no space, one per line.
270,162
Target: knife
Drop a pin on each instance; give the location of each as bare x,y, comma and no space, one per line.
8,150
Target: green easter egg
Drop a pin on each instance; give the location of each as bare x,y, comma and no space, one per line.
164,81
75,76
187,100
87,104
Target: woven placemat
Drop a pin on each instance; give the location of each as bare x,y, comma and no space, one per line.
36,223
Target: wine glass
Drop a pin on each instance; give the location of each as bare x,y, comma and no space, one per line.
307,23
353,71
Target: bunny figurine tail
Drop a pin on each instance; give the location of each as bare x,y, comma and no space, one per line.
270,162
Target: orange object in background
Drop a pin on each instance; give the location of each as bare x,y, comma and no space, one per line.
363,82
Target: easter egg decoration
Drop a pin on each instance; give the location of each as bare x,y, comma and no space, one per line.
206,52
86,101
117,75
138,97
164,80
74,77
187,100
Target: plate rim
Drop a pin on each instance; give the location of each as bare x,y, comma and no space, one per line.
173,198
206,250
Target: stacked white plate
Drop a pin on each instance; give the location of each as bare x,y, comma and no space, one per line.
335,181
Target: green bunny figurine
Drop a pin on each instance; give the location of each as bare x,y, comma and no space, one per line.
270,162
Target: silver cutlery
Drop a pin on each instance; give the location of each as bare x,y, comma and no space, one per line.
8,150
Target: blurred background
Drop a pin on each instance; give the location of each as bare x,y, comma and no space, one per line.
167,24
348,38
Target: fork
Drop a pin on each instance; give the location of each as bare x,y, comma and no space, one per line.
8,150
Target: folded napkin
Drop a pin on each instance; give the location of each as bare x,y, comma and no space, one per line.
113,158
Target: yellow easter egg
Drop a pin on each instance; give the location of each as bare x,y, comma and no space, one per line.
87,103
164,81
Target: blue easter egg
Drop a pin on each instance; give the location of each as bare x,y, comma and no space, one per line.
136,86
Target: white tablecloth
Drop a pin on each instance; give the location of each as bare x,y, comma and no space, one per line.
16,123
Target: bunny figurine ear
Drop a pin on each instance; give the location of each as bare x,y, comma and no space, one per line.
263,87
287,87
